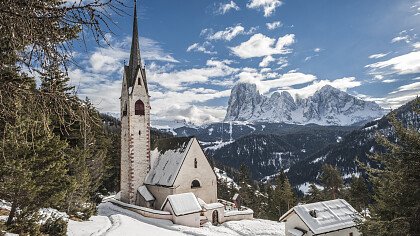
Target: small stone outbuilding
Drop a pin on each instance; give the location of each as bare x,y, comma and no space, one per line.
329,218
184,208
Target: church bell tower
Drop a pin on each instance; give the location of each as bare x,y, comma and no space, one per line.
135,122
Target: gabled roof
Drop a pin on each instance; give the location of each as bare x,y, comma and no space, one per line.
330,215
144,192
183,204
167,157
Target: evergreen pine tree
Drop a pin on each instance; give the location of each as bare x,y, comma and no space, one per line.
283,197
358,193
396,208
314,194
331,178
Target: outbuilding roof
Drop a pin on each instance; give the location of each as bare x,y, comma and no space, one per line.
183,204
145,193
167,157
324,217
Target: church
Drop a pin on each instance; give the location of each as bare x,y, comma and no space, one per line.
169,167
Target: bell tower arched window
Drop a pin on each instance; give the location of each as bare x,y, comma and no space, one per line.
139,108
195,184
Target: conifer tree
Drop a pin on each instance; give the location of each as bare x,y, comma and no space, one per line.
331,178
396,185
246,190
314,194
39,145
358,193
283,195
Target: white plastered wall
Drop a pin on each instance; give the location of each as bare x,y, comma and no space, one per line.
203,173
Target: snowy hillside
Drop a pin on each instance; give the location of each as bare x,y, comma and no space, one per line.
328,106
113,220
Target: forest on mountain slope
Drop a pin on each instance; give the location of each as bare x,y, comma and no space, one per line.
58,151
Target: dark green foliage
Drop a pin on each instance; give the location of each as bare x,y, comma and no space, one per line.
56,227
282,198
52,144
314,194
358,194
174,143
354,147
396,185
332,181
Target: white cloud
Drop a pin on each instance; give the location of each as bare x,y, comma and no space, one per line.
401,38
260,45
269,6
405,64
100,78
108,59
188,105
416,45
176,80
153,51
196,47
377,56
197,115
409,87
266,61
266,80
273,25
393,100
227,34
317,49
226,7
343,84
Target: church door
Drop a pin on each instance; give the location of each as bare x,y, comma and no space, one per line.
215,217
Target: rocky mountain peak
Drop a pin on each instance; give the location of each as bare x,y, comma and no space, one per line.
327,106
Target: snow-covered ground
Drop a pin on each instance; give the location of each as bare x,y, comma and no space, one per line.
113,220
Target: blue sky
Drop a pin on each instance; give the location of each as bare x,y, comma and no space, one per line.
196,50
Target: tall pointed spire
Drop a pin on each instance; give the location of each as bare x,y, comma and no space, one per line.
135,60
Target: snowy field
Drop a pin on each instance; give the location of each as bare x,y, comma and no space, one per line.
115,221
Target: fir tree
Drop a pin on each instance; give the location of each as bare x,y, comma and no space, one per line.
396,185
283,195
314,194
358,193
331,178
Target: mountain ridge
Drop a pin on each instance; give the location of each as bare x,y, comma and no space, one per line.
327,106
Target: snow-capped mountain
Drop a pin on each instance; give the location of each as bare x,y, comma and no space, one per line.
328,106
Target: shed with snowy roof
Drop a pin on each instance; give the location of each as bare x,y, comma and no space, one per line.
335,217
178,165
185,209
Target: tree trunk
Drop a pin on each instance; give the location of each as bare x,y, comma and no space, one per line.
11,214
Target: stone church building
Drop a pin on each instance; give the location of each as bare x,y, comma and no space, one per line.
149,174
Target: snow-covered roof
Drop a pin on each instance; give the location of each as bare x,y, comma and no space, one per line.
183,204
145,193
329,215
167,157
214,205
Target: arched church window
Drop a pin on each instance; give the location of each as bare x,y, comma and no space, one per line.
139,108
195,184
195,162
125,110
